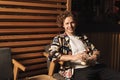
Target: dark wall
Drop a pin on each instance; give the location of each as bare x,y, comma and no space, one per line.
87,9
94,17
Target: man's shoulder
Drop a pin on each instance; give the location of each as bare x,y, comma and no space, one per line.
82,36
62,35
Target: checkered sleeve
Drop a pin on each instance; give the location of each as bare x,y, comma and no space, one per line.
89,45
54,53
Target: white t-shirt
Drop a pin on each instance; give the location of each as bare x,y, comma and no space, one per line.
77,46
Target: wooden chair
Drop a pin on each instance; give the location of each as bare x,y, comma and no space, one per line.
10,72
51,65
7,71
44,76
50,71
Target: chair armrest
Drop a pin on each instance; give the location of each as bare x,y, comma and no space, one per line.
52,65
17,66
45,54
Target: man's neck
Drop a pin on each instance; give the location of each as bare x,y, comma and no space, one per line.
69,34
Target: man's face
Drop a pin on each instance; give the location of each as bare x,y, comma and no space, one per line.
69,25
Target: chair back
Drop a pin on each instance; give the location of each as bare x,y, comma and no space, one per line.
6,72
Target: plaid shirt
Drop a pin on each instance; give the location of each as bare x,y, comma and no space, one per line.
61,46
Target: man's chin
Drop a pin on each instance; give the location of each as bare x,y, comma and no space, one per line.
71,31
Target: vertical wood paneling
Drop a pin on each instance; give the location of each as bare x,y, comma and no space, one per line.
115,61
27,26
109,45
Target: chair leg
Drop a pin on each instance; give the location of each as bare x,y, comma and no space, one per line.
51,68
15,72
17,66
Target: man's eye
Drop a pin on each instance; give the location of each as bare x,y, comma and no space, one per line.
73,22
67,23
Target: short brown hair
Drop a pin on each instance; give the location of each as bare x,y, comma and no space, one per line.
61,17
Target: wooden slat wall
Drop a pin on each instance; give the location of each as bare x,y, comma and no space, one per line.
27,26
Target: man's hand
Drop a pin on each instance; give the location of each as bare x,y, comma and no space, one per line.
93,58
80,56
